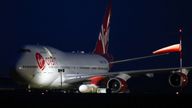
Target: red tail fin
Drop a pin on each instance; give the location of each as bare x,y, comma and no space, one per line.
101,47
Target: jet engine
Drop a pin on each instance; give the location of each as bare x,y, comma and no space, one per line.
178,79
100,84
117,85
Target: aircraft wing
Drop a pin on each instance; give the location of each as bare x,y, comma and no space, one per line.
132,73
146,71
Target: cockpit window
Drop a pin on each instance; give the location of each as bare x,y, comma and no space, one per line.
24,50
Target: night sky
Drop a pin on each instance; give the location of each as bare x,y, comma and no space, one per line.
137,28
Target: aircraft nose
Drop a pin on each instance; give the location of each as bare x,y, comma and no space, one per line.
14,71
22,59
19,73
18,68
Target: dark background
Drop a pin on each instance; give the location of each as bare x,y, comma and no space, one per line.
137,28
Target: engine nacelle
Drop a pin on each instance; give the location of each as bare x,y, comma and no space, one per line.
117,85
178,79
88,88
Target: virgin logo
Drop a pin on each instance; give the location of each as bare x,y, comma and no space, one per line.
40,61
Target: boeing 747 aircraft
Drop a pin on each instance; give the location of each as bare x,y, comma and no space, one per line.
45,67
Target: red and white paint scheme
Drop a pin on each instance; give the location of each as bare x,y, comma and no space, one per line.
45,67
40,61
103,39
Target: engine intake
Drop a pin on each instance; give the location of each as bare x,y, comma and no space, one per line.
178,79
117,85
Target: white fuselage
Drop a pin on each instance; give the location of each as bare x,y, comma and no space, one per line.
47,67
